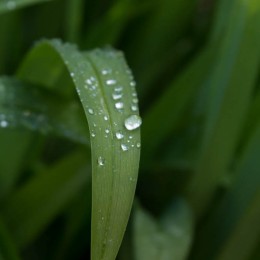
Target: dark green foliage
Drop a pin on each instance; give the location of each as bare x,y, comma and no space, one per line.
196,64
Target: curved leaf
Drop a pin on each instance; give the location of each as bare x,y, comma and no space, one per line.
107,92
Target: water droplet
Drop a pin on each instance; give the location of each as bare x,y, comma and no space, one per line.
135,100
134,94
3,123
111,82
88,81
91,111
124,147
138,145
72,74
134,107
130,137
107,131
133,122
132,84
11,5
119,135
93,134
101,161
105,118
106,71
119,105
117,96
118,89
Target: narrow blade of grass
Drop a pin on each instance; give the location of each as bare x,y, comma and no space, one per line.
168,238
107,92
10,5
234,223
8,250
168,111
10,172
32,207
233,80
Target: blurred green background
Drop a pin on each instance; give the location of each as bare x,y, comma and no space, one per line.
196,63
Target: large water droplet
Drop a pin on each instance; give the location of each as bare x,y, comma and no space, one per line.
119,135
133,122
101,161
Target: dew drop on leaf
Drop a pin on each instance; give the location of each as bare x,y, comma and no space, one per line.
101,161
124,147
133,122
119,135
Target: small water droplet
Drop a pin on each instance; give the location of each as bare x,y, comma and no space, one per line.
11,5
134,108
119,135
106,71
105,118
135,100
72,74
124,147
133,122
138,145
118,89
132,84
111,82
117,96
107,131
93,134
3,123
91,111
119,105
101,161
134,94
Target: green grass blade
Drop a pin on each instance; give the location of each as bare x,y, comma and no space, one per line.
233,80
107,92
234,223
8,250
168,238
10,5
165,115
10,172
24,105
73,19
32,207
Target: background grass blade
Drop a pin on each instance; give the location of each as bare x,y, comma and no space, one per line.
8,250
107,92
10,5
168,238
34,108
233,81
51,191
234,222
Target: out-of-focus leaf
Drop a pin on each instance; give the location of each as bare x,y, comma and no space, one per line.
166,114
8,250
107,92
10,171
233,227
10,5
74,17
32,207
232,84
166,239
24,105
